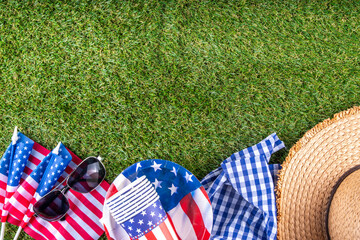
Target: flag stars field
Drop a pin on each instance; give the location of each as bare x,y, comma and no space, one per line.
173,189
157,183
156,166
174,171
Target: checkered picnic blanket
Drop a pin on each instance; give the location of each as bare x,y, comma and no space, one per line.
242,193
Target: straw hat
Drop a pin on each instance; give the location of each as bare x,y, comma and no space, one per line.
311,171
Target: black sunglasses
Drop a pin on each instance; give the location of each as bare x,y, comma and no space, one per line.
85,178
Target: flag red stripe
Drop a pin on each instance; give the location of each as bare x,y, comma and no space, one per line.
62,231
78,228
112,191
34,160
172,225
87,203
193,212
85,218
3,184
150,236
40,149
40,228
34,234
205,193
29,188
16,213
165,231
27,171
12,220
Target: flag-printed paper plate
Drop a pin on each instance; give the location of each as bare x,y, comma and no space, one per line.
182,196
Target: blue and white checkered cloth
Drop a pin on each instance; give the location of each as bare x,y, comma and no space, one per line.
242,193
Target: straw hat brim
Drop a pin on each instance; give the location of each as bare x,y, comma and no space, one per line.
310,172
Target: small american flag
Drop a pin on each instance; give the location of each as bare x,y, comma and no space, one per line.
13,164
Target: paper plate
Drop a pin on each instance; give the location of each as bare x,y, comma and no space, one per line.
181,195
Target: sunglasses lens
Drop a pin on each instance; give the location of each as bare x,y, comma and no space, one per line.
52,206
87,176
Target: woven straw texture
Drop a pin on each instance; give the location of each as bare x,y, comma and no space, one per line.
310,172
344,214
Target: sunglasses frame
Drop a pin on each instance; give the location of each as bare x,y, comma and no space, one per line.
65,188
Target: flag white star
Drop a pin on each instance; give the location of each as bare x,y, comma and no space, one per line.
16,177
138,165
24,156
174,171
11,181
141,222
188,177
154,205
149,223
143,213
131,220
20,152
157,183
27,142
160,215
25,148
17,169
156,166
66,156
173,189
138,230
130,228
152,214
20,160
61,163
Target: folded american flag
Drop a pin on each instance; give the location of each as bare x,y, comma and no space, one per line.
242,193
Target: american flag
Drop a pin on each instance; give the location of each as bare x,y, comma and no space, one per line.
38,183
138,210
183,198
82,220
13,164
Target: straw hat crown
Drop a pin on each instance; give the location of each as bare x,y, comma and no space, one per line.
344,211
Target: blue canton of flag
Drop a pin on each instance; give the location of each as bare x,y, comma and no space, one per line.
55,167
5,161
23,149
167,178
145,221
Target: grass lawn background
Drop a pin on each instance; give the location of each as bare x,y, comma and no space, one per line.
190,82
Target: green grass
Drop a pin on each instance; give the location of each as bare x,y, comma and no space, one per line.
191,82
